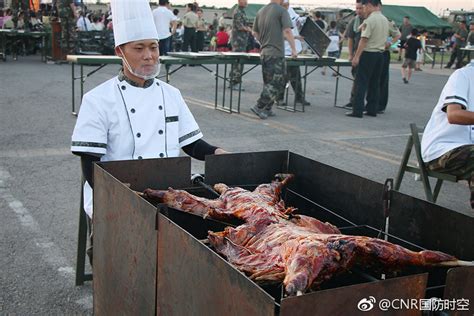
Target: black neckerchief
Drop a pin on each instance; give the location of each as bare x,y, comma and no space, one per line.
146,84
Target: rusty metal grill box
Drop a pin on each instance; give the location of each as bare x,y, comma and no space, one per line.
150,260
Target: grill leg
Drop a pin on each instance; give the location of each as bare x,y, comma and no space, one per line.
403,164
73,90
437,188
82,244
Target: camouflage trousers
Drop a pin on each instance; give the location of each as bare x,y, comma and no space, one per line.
294,77
458,162
274,79
236,73
237,69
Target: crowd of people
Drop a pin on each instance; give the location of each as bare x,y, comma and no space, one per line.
190,31
447,142
33,20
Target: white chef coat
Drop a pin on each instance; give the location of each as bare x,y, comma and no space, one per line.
120,122
440,136
163,18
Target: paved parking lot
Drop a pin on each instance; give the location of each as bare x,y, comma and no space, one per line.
39,178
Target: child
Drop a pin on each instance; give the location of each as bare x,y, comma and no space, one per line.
222,39
412,45
336,38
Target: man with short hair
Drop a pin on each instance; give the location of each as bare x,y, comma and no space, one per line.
353,37
222,19
318,20
412,45
369,59
470,36
200,30
293,73
461,38
215,22
239,40
190,21
272,24
164,20
392,38
134,115
447,145
405,30
326,25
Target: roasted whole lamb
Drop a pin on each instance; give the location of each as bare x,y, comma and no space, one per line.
274,245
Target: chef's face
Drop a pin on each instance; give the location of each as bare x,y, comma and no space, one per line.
142,56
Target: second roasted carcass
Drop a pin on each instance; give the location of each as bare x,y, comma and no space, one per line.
274,245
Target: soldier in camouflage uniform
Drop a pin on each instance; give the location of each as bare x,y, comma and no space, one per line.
271,25
239,40
66,12
458,162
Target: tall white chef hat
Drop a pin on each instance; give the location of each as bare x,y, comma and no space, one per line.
133,21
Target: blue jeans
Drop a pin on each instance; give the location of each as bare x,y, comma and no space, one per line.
165,46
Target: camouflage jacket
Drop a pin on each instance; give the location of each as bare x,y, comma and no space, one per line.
239,38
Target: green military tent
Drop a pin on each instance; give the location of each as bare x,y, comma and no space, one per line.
420,17
251,10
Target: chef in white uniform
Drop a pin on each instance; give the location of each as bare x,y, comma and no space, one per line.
134,115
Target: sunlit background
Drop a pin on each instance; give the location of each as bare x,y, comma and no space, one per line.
438,7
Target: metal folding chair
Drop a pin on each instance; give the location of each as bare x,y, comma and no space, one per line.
421,169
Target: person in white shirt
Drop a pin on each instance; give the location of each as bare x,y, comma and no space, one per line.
336,38
448,140
165,21
293,73
97,25
134,115
83,23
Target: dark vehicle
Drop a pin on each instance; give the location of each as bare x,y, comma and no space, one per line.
331,14
461,15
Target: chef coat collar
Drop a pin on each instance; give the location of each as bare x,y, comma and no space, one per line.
122,77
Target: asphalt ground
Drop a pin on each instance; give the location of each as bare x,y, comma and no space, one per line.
39,177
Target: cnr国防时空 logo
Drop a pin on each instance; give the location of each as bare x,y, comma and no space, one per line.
428,304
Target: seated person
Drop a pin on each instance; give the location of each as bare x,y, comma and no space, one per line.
1,18
447,145
35,24
21,21
222,38
7,19
97,25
